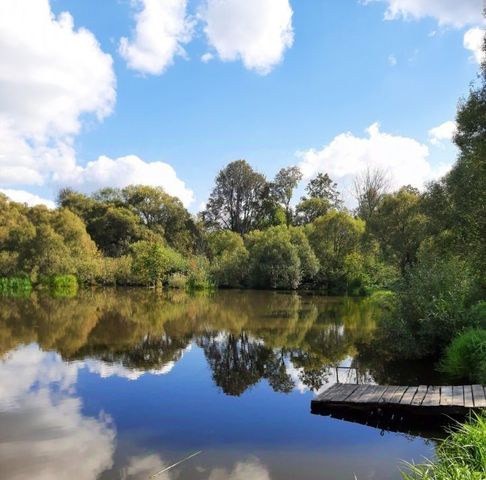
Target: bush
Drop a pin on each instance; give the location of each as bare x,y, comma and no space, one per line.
465,357
178,281
384,299
433,301
477,315
199,274
461,456
153,263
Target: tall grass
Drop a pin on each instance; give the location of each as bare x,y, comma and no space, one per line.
461,456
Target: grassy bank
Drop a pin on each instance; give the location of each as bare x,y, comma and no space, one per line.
462,456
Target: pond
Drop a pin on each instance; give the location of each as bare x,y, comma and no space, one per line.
122,384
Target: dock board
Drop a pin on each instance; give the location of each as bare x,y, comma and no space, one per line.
427,399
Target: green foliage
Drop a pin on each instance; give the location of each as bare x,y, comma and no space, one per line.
153,263
384,299
62,286
15,286
399,225
322,187
274,259
237,200
462,456
465,358
433,301
283,187
199,276
177,281
229,266
309,209
334,237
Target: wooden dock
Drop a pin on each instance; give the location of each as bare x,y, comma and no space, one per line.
419,399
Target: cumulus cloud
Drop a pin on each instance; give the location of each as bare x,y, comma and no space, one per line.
30,199
405,159
51,73
257,32
162,28
123,171
444,132
457,13
473,41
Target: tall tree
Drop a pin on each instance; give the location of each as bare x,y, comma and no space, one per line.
322,186
466,181
369,189
283,187
237,200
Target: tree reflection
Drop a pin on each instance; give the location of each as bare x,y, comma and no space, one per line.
246,336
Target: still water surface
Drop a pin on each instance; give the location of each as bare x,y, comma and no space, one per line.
123,384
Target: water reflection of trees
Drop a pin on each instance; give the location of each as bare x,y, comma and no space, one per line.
246,336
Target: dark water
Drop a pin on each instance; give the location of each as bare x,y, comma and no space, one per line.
123,384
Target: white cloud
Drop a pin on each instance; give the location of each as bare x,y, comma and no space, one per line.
457,13
473,41
207,57
404,158
445,131
392,60
256,31
123,171
162,28
50,73
30,199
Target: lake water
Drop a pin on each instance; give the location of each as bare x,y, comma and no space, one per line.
123,384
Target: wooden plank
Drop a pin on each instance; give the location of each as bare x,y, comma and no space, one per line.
390,390
373,394
322,396
446,396
408,396
478,396
458,395
420,395
468,396
356,395
432,397
398,394
342,393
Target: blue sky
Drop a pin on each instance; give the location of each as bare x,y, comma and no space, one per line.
284,89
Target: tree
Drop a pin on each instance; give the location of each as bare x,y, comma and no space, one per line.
283,187
274,259
236,202
308,209
322,186
466,182
333,237
399,225
369,189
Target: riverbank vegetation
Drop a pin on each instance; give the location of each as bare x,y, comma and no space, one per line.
462,456
428,247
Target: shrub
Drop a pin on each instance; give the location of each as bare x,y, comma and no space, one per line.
477,315
384,299
433,301
198,268
465,357
153,262
178,281
461,456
